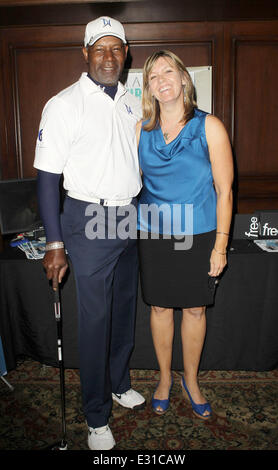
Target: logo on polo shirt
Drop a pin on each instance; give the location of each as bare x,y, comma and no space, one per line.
128,108
40,135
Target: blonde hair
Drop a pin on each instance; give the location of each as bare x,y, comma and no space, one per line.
150,105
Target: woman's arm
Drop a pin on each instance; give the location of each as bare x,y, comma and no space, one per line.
222,170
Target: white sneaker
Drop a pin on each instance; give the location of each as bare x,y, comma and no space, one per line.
100,438
130,399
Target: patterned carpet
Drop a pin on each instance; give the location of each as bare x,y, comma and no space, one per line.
244,404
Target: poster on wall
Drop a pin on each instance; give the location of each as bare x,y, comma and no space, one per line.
201,77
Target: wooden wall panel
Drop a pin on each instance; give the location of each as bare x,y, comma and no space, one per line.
134,11
38,78
256,103
37,62
251,102
42,61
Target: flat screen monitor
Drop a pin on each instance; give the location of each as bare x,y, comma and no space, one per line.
18,206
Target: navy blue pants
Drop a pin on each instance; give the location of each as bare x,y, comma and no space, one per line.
106,274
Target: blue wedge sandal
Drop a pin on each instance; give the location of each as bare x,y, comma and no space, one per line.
198,410
163,404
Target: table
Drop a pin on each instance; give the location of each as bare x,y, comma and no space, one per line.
242,325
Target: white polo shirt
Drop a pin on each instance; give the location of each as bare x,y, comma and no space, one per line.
91,139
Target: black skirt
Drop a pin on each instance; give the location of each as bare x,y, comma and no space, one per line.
176,278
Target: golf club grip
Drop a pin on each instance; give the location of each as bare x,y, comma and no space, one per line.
56,295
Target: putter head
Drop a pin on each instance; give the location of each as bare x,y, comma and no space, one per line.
62,445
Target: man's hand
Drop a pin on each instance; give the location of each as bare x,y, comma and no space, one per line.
56,265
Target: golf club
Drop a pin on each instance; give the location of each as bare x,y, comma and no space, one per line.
62,445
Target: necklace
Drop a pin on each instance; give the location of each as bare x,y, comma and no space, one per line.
172,132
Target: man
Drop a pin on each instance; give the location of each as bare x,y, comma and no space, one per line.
87,133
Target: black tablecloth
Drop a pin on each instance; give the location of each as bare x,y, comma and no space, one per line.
242,325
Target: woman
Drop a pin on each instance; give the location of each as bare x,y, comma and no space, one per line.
186,161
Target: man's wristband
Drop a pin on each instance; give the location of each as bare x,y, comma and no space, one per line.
54,246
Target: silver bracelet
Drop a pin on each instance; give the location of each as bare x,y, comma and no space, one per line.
54,246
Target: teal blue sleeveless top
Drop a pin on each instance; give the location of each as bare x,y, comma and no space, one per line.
178,195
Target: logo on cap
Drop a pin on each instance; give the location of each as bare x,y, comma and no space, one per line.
103,26
106,22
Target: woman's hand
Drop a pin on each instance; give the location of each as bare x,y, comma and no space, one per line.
217,263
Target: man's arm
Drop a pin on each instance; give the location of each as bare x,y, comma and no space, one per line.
54,261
